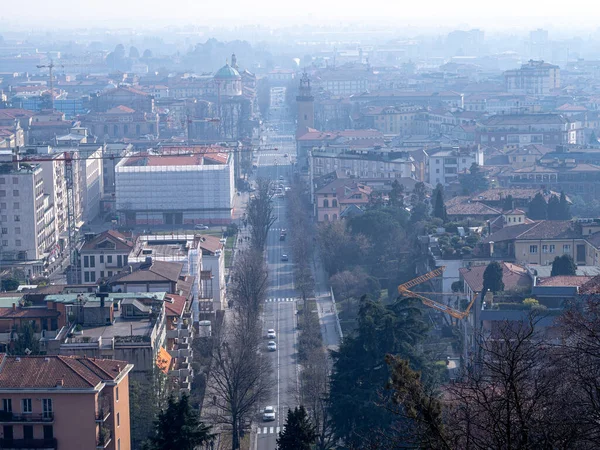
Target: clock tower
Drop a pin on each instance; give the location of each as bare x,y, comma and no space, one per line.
306,108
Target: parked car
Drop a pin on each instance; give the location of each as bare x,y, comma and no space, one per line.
284,258
282,237
269,414
201,227
272,346
271,333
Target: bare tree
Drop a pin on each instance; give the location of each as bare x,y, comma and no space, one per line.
249,283
260,213
239,377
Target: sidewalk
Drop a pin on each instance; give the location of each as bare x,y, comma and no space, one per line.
325,307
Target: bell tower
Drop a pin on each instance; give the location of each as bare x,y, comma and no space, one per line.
306,108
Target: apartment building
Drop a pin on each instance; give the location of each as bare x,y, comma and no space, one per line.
535,77
213,261
514,130
103,256
445,163
395,120
66,403
24,233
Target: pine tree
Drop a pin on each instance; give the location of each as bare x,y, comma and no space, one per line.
298,433
439,207
492,278
509,203
179,427
538,208
564,207
563,265
554,208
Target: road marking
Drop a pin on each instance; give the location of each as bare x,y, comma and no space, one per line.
277,431
265,430
282,299
271,430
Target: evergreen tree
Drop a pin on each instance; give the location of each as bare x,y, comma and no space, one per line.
538,208
397,195
564,207
26,343
360,372
179,427
474,181
563,265
298,433
509,203
439,207
492,278
554,208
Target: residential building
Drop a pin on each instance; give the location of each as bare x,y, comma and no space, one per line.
332,199
445,163
213,260
392,120
535,77
514,277
148,276
62,402
514,130
128,97
204,174
122,122
22,218
103,256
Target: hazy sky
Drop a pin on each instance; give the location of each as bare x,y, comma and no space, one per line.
526,14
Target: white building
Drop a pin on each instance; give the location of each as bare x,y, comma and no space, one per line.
535,77
213,260
22,215
444,164
180,186
103,256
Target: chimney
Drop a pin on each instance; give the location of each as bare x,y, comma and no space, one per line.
14,306
60,382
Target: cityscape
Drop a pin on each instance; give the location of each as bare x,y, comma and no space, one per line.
319,227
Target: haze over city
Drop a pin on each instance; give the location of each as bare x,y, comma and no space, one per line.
299,226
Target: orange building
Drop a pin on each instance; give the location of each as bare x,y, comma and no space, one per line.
66,402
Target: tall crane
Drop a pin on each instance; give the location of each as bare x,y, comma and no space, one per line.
50,68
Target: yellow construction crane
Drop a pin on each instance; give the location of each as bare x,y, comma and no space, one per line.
404,290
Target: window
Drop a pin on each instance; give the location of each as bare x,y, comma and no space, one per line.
334,203
15,180
326,217
15,192
47,407
109,259
2,205
18,242
48,432
101,259
567,248
27,432
102,274
544,249
7,404
86,261
92,261
117,393
437,170
110,273
17,230
533,249
118,419
325,203
8,432
93,276
26,405
119,444
4,243
16,205
551,248
86,276
120,260
4,230
17,218
2,181
2,193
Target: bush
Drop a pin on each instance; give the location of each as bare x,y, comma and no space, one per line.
531,302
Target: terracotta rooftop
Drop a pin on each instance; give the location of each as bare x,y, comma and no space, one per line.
63,372
176,308
156,271
209,243
564,280
513,276
120,110
120,241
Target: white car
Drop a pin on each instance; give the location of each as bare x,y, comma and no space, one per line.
272,346
269,414
271,333
201,227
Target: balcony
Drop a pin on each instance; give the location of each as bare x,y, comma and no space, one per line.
104,438
46,444
9,417
102,415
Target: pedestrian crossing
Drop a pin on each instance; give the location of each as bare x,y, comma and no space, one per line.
282,299
268,430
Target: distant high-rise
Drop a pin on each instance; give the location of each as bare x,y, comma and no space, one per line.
306,109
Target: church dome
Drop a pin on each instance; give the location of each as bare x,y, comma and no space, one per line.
227,73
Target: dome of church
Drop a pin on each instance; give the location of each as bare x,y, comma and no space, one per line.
227,73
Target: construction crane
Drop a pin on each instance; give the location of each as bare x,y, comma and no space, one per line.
404,290
50,68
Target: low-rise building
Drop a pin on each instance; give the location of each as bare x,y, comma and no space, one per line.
103,256
445,163
332,199
62,402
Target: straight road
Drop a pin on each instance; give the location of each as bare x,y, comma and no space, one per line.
279,312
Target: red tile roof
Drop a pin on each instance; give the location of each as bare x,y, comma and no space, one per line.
25,313
48,372
176,308
564,280
120,241
513,276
